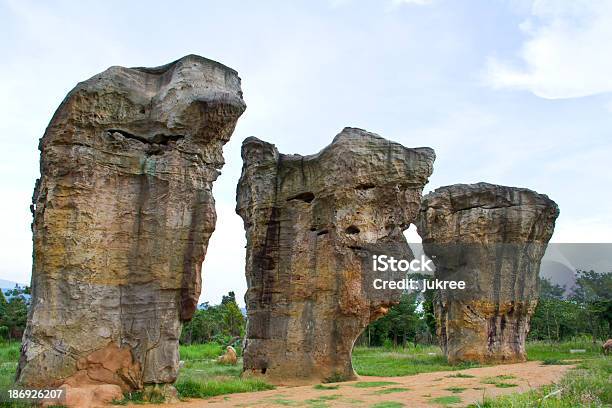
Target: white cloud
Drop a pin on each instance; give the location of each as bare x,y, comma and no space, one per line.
566,53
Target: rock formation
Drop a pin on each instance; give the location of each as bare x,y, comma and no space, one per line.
493,238
313,224
122,216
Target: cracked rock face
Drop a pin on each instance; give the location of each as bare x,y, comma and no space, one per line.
493,238
122,216
313,224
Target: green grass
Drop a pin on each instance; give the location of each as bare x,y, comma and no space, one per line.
388,404
456,390
200,351
391,390
136,397
542,350
17,404
460,375
188,388
202,377
9,356
378,361
335,377
284,402
369,384
451,399
496,379
586,386
326,387
321,402
555,361
505,385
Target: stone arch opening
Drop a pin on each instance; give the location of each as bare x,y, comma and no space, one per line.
419,327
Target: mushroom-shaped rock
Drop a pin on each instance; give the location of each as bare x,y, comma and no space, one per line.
493,238
313,224
122,216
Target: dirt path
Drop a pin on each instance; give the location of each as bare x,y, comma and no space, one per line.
413,391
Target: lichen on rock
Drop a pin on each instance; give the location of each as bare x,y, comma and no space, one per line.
312,225
123,212
493,238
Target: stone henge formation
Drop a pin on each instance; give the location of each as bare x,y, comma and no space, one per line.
492,237
313,224
122,216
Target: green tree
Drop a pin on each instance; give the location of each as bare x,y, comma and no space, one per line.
588,310
402,324
14,311
593,292
549,290
233,319
3,304
219,323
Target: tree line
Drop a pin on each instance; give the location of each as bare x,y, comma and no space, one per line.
561,314
584,310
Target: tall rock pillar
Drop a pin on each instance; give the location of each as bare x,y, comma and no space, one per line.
122,216
313,224
493,238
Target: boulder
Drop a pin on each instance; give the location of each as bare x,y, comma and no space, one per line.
493,238
123,212
229,357
313,224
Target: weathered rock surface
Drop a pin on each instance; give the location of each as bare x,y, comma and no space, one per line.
493,238
312,225
122,216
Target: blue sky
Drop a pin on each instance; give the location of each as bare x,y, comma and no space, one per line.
508,92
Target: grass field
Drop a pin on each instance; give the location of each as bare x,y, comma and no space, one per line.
409,361
425,359
9,355
589,385
201,376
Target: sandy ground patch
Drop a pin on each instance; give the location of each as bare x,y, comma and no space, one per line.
413,391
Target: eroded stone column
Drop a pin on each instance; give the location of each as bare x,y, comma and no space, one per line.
122,216
493,238
312,225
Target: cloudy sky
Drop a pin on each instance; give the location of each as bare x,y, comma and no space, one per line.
508,92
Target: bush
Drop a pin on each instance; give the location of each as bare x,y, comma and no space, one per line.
4,332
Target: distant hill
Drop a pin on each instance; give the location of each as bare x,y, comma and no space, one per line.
558,274
7,284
